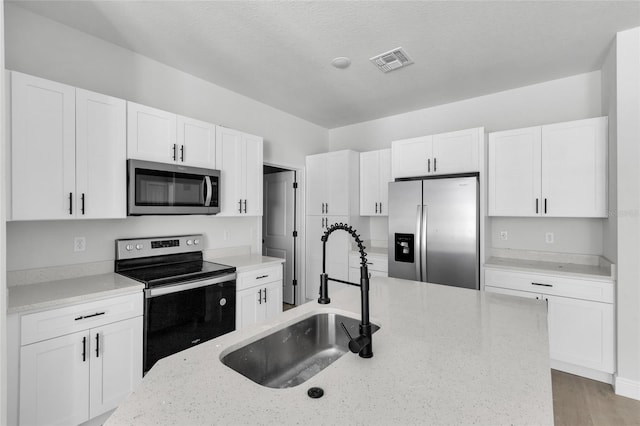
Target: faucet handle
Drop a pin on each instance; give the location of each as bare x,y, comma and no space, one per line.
356,345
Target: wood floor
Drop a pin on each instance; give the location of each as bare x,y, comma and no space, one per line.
582,402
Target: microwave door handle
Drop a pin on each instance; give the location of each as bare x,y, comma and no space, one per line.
207,190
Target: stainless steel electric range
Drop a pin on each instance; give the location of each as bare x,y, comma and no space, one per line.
187,300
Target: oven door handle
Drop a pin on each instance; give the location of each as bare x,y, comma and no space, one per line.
207,181
160,291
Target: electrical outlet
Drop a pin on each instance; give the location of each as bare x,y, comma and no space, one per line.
79,244
504,235
549,237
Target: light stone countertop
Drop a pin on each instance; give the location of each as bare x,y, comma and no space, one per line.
593,272
248,262
443,355
31,297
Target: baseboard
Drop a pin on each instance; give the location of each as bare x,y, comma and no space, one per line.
582,371
628,388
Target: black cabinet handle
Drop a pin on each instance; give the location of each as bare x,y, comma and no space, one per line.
240,206
536,206
245,205
82,199
175,151
545,206
435,166
89,316
260,296
71,203
380,207
376,208
97,345
265,295
429,165
182,153
542,285
261,277
84,349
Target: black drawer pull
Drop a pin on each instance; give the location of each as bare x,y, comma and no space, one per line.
261,276
89,316
542,285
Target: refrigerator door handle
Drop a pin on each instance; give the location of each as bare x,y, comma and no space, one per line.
424,273
419,239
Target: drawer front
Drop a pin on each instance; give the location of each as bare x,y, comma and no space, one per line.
258,277
70,319
375,262
549,284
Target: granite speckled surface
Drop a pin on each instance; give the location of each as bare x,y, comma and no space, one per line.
443,355
248,262
31,297
594,272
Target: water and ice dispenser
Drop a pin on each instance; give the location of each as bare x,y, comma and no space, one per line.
404,248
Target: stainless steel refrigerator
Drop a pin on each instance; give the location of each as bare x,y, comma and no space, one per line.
434,231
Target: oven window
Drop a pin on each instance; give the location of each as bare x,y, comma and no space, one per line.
162,188
177,321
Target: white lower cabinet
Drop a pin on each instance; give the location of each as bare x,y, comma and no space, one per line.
67,379
580,317
259,295
377,265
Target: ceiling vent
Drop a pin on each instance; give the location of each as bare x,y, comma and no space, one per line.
392,60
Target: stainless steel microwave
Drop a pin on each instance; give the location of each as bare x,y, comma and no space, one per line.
171,189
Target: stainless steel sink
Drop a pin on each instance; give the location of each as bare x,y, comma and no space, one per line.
294,354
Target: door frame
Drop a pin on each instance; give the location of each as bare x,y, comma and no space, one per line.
299,242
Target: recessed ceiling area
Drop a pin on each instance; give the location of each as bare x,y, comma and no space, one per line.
280,52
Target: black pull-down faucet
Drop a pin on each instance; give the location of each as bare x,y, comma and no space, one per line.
362,344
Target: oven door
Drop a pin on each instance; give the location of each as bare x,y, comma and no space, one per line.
177,317
164,189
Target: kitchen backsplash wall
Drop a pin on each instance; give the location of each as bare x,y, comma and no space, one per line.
51,243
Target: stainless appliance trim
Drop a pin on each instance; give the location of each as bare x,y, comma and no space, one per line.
169,289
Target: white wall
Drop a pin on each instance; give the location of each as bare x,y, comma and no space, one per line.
42,47
3,275
570,98
628,212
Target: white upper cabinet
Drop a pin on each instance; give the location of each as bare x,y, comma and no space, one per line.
445,153
239,159
68,151
375,175
196,143
329,184
151,134
156,135
558,170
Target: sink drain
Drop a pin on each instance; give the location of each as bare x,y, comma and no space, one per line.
315,392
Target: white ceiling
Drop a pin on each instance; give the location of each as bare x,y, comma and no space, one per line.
279,52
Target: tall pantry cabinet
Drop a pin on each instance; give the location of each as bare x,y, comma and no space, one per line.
332,196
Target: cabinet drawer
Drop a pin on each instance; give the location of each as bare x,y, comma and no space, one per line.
549,284
70,319
375,262
258,277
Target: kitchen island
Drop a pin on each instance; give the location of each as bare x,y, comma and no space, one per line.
443,355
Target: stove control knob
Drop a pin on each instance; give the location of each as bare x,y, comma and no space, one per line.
196,242
139,246
189,242
129,247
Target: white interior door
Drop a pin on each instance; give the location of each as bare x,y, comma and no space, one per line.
278,225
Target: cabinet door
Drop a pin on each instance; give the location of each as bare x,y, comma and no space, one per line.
196,143
249,309
116,363
514,173
338,247
581,332
151,134
252,165
43,164
316,177
412,157
338,165
272,299
369,183
574,168
384,177
456,152
54,381
337,259
229,162
101,152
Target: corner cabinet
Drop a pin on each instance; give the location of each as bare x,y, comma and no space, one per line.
557,170
445,153
375,175
78,362
333,196
72,139
580,317
239,159
164,137
259,295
